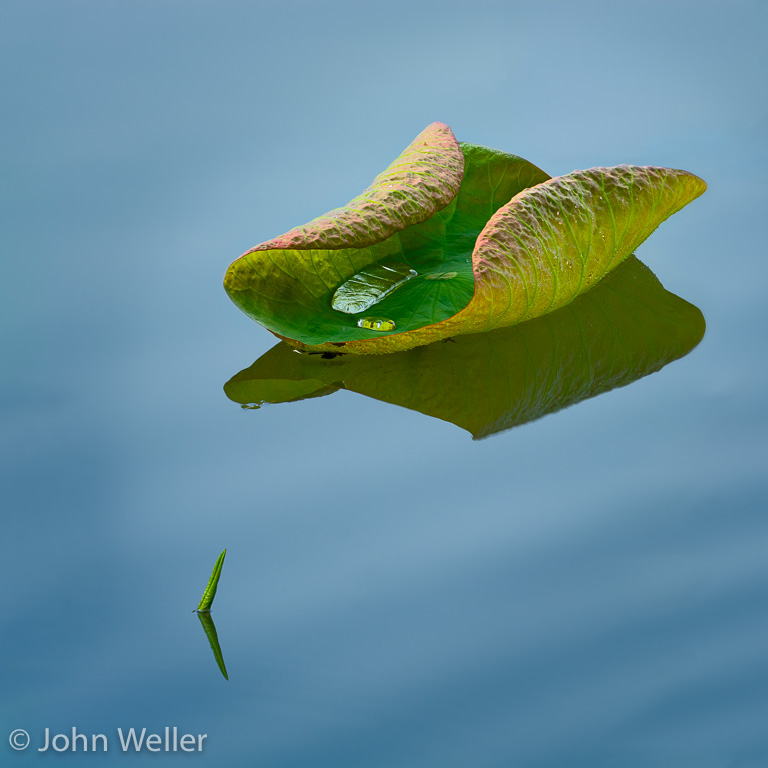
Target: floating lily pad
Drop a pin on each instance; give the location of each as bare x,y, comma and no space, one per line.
451,239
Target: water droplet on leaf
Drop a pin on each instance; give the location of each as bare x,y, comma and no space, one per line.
376,324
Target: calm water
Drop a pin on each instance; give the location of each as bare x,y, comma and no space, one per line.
585,589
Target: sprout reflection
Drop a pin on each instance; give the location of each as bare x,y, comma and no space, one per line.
213,638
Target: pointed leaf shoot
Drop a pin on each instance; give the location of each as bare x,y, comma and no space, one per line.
210,591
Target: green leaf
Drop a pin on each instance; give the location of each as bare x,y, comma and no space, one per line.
626,328
451,239
206,601
213,638
288,284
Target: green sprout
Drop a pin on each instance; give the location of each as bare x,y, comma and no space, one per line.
206,601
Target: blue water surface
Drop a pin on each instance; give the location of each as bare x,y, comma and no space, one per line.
589,589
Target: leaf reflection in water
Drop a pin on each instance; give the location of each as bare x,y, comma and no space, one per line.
213,638
625,328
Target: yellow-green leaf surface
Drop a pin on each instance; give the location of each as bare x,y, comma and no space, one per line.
626,328
424,178
451,239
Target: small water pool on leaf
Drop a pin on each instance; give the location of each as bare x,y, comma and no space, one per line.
370,286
